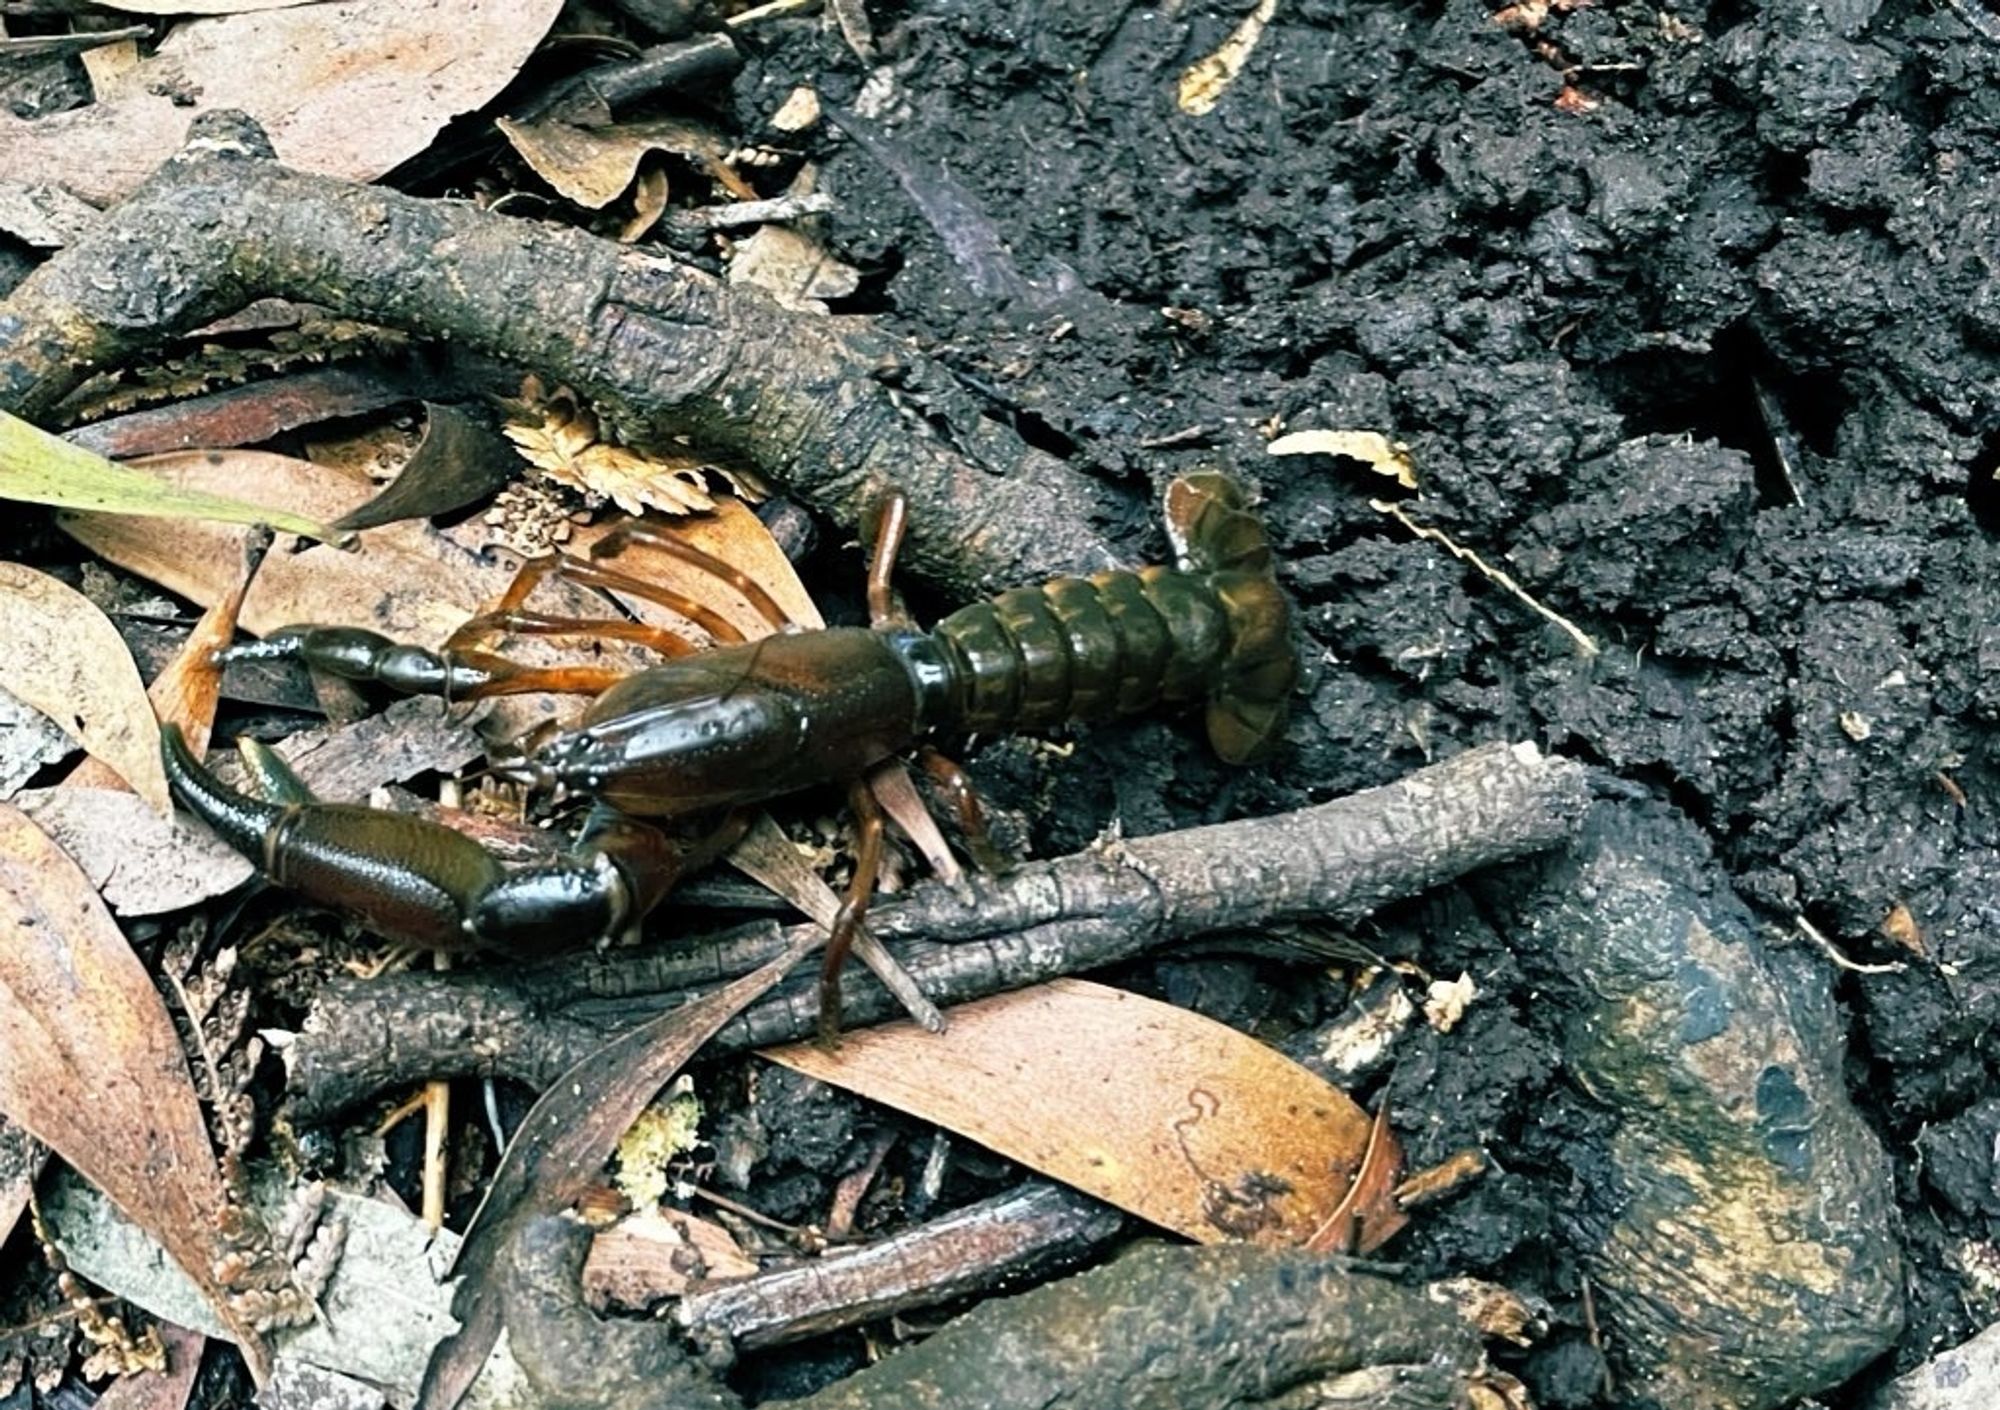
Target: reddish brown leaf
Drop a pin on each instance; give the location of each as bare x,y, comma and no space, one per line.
186,692
91,1065
1157,1110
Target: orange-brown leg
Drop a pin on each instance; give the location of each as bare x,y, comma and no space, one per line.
892,519
518,623
511,678
746,586
950,776
536,570
853,908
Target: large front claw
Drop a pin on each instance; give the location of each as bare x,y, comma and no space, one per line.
408,878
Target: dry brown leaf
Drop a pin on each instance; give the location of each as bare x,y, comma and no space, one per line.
649,203
1157,1110
185,693
792,268
731,533
66,659
654,1255
90,1063
594,166
142,864
347,89
405,579
1371,448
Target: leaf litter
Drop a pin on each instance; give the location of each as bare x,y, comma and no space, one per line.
346,89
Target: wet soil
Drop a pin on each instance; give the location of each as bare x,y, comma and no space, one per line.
1690,319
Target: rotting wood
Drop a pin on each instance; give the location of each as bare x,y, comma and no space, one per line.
836,410
1080,912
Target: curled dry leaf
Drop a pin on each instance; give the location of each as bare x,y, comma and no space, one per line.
346,89
66,659
1162,1112
91,1065
1371,448
792,268
594,166
460,460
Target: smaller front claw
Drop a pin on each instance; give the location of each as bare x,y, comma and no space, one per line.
408,878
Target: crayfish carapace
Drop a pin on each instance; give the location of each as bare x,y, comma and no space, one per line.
740,723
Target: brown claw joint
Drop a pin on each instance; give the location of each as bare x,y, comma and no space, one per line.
408,878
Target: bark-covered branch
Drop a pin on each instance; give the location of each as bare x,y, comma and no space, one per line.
835,409
1339,859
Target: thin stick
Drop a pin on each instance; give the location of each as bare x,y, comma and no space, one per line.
1583,640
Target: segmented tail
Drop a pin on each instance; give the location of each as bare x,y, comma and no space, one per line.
1215,628
1214,534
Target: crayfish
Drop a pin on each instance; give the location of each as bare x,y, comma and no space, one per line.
735,724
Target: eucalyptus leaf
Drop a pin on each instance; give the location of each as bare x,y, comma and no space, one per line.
44,469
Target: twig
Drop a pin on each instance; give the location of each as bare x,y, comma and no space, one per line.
1583,640
1022,1234
1339,859
661,349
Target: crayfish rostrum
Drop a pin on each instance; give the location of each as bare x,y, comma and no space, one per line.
739,723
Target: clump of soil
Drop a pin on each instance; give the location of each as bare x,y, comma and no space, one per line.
1687,318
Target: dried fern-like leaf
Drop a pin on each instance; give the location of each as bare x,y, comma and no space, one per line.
562,439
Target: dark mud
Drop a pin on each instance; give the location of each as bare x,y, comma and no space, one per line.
1690,317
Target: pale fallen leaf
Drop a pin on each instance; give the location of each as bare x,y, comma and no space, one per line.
91,1065
1160,1111
349,89
28,740
594,166
792,268
1371,448
66,659
142,863
1206,80
799,111
1446,1000
654,1254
